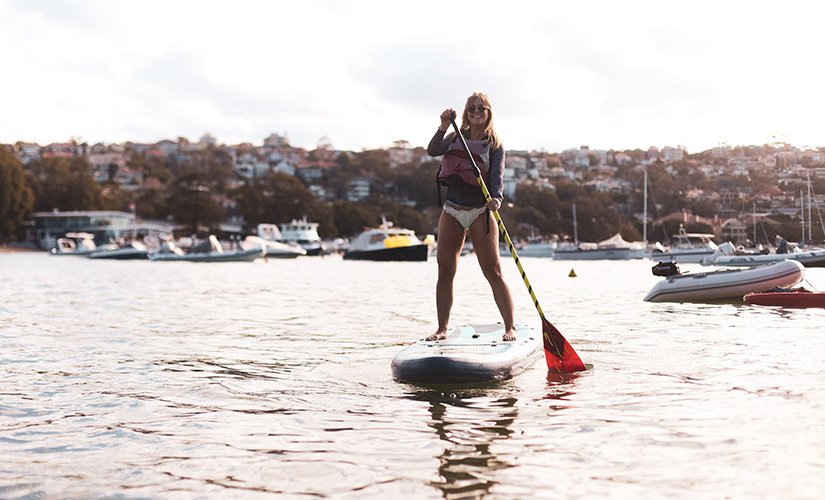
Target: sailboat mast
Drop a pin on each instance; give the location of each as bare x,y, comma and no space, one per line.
644,230
810,218
802,215
575,226
754,224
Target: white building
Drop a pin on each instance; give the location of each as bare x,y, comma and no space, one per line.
359,189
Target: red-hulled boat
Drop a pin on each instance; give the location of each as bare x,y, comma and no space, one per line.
794,297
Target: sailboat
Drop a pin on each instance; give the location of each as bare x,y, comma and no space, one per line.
613,248
809,257
811,201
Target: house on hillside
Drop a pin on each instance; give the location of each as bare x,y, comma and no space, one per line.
735,231
358,189
27,151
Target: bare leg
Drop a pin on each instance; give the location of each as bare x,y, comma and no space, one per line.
450,241
486,247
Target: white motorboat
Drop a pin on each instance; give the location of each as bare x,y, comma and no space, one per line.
74,243
533,247
305,234
726,283
613,248
726,255
387,243
125,251
270,240
210,250
688,248
590,251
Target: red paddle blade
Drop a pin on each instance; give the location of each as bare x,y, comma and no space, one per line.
558,352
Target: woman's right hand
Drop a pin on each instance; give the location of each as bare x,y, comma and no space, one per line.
446,116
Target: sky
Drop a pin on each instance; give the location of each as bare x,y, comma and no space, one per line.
560,75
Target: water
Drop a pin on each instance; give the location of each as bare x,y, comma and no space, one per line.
181,380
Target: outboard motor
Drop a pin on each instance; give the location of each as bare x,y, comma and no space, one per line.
666,269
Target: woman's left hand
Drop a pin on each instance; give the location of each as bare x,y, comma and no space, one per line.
494,204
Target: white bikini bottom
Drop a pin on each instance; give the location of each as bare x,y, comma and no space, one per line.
464,217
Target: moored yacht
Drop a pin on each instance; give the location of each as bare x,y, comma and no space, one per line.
387,243
726,256
209,250
613,248
304,233
121,251
688,248
74,243
532,247
269,239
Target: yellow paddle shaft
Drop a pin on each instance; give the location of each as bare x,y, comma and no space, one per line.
501,228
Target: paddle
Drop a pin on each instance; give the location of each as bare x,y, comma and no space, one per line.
558,352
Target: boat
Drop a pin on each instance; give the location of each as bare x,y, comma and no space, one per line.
613,248
532,247
132,250
724,284
787,297
303,233
387,243
590,251
210,250
74,243
269,239
726,256
688,248
469,354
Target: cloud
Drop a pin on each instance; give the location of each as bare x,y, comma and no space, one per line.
608,74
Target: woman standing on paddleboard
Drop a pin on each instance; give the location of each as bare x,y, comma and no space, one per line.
465,209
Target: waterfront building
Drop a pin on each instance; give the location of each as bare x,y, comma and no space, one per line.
44,228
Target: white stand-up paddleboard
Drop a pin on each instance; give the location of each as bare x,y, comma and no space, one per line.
472,353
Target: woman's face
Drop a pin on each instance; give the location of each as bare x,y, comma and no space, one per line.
477,112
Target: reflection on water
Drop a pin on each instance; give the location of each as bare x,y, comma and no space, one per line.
134,380
469,425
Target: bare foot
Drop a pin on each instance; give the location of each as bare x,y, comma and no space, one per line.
439,335
509,335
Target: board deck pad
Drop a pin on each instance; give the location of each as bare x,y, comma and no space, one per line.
470,353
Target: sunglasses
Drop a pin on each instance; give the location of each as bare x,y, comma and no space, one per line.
477,109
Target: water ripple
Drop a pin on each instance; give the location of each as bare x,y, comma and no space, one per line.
142,380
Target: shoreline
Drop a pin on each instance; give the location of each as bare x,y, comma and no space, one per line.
17,247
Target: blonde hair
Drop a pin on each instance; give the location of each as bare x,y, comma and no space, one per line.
494,141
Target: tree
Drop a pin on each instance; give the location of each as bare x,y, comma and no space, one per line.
64,184
16,198
115,198
214,166
191,202
417,182
538,207
280,198
526,216
350,218
594,214
371,161
151,204
158,168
